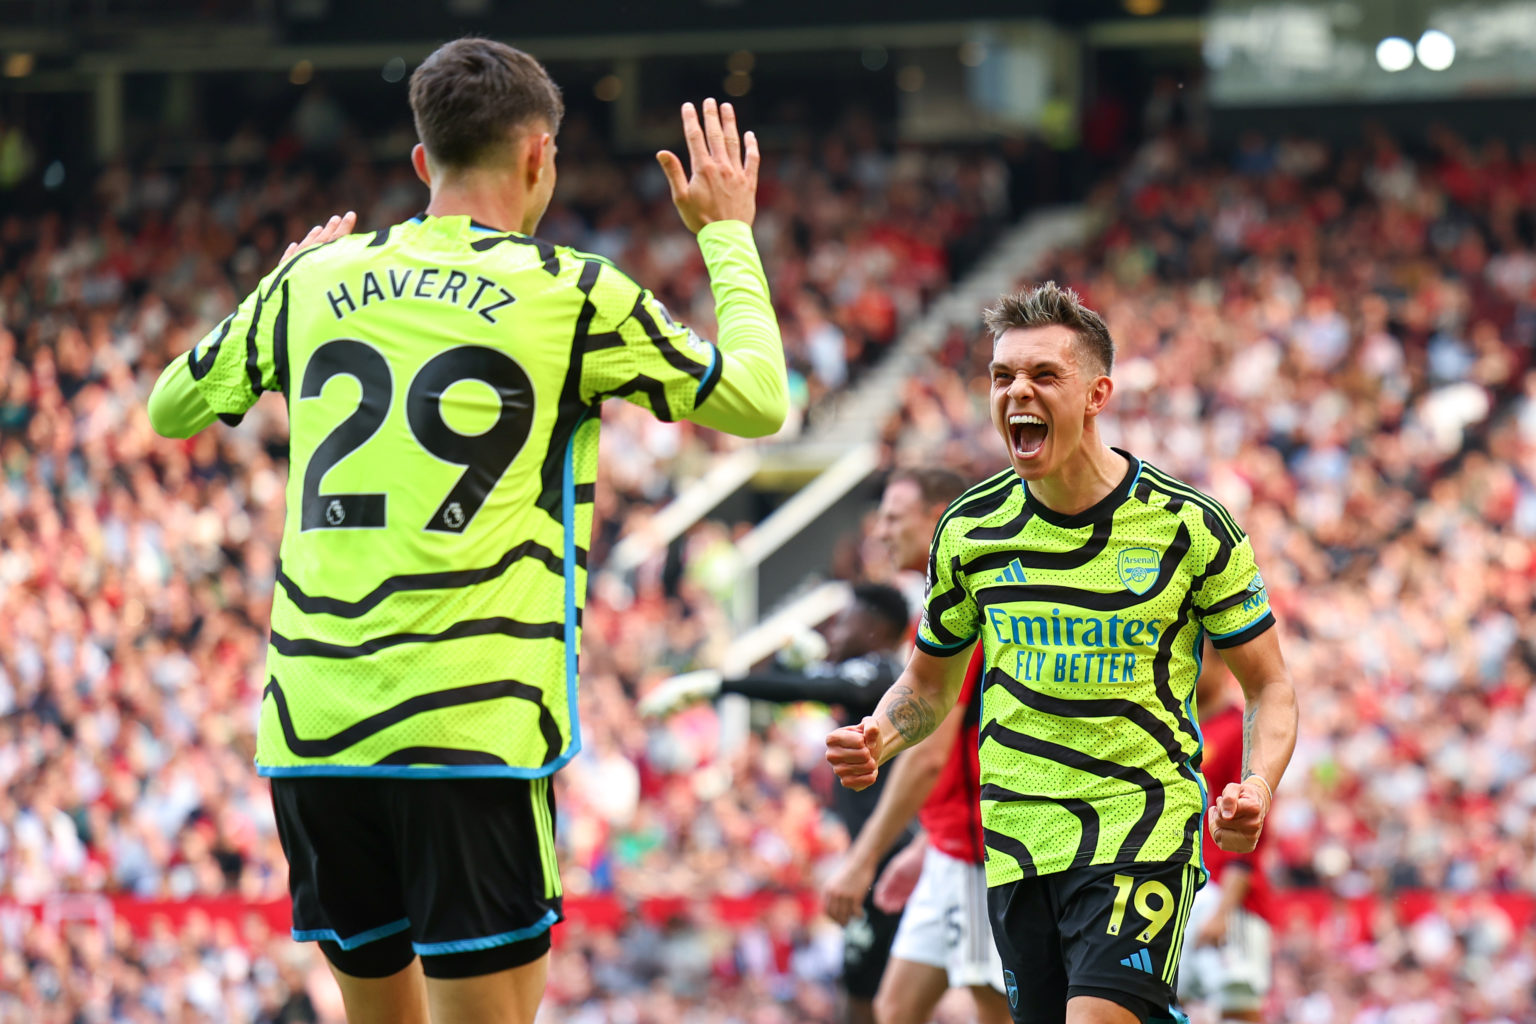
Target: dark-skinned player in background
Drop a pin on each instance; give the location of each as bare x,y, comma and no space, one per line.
860,665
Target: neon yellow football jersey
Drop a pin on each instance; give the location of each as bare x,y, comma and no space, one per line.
443,383
1092,627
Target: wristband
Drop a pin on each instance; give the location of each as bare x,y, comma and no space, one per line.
1267,788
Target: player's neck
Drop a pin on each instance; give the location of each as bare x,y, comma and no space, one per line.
1082,481
494,201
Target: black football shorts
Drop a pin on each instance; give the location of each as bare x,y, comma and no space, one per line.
1113,931
460,872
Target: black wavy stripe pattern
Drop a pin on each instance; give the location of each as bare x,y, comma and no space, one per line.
982,500
1087,817
305,647
280,343
330,746
1073,558
546,250
950,599
1094,600
1006,844
1003,531
670,352
1046,750
200,365
1222,524
312,604
572,409
1091,707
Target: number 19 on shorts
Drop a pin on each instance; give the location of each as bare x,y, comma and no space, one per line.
1152,900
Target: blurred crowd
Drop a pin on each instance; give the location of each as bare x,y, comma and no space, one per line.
1335,343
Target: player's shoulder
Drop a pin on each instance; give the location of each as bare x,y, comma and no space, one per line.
604,281
1157,488
981,500
324,258
581,256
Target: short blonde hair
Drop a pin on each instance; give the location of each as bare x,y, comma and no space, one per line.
1047,305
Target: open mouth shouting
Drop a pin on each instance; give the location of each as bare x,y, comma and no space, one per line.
1027,433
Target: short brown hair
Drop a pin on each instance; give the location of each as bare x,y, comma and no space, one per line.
470,95
1050,304
933,483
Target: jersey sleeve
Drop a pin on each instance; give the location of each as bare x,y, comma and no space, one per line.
1233,603
240,358
951,619
636,351
857,685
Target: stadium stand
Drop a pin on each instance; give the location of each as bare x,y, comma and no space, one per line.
1337,344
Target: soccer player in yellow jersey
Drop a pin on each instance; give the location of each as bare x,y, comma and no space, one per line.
444,378
1091,580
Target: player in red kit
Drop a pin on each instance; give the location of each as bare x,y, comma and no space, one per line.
1227,970
945,938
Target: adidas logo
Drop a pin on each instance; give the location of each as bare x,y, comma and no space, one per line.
1013,574
1140,960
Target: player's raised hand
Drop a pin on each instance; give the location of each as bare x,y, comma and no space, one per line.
1237,816
854,754
337,227
724,182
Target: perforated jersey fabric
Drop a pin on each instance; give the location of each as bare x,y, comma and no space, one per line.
443,381
1091,627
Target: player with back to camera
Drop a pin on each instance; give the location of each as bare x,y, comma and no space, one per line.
443,378
944,939
1091,579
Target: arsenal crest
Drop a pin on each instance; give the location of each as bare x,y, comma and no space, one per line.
1139,568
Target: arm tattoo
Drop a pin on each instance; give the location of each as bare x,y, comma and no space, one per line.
1250,715
911,715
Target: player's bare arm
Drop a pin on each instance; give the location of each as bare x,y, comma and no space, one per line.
910,710
1269,738
912,779
896,883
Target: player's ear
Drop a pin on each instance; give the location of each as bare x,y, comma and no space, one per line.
1098,394
419,164
537,145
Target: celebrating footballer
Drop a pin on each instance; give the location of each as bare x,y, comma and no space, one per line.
1091,580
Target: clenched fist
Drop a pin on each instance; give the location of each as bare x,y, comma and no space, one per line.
854,754
1237,816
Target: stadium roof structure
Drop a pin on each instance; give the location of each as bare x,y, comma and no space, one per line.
229,35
